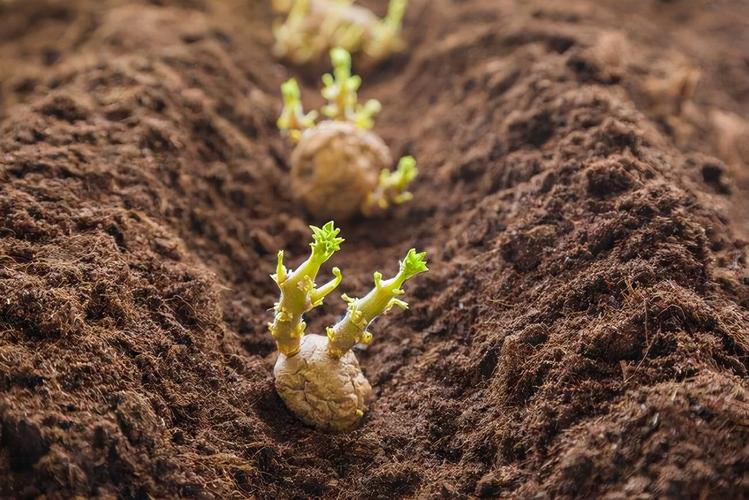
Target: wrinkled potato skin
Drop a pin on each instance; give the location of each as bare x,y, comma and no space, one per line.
327,393
334,167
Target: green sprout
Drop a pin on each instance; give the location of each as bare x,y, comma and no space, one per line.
293,36
298,292
386,36
340,89
393,185
352,329
318,376
364,116
293,120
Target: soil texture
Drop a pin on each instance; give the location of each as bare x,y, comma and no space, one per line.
583,331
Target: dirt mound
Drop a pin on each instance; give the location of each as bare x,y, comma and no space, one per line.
584,330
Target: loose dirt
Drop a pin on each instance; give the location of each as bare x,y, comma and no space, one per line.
584,328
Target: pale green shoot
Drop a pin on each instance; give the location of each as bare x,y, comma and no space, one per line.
291,35
293,120
386,33
364,116
393,185
340,89
298,292
352,329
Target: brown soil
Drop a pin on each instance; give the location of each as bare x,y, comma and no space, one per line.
584,330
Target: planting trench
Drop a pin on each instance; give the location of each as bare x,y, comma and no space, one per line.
584,326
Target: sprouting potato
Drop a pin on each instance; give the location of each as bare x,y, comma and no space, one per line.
318,377
339,167
315,26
